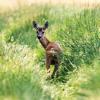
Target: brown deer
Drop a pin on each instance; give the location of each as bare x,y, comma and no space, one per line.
52,49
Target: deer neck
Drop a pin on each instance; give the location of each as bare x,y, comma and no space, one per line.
44,42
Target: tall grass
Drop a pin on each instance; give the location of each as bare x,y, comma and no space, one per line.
78,33
18,81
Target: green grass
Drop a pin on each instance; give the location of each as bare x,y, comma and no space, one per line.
22,59
18,81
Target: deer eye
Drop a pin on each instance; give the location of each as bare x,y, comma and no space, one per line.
43,28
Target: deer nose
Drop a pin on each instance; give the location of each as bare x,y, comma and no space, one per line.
39,35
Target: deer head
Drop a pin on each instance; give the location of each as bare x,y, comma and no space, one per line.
40,30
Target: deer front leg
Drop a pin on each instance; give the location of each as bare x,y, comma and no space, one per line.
48,62
55,71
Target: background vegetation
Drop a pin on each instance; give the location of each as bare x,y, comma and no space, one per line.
22,59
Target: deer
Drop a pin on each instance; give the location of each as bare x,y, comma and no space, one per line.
52,49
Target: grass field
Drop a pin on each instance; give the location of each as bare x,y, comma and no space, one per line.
22,58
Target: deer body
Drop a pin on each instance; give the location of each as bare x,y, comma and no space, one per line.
52,50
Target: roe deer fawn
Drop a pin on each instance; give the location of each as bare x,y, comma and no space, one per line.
52,49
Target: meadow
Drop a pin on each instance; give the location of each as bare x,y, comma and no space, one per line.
22,58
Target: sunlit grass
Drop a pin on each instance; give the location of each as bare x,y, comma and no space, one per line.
18,81
22,58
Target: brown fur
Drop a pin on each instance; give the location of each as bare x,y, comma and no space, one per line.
52,49
52,54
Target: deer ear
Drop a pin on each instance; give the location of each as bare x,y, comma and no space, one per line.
35,24
46,25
